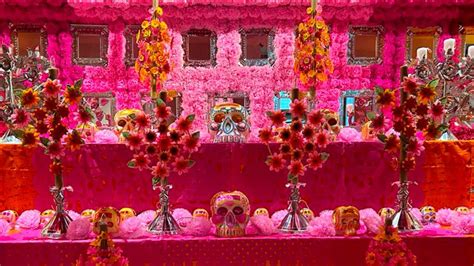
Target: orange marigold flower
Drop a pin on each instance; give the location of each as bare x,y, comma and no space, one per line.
29,98
72,95
426,94
30,138
386,98
74,140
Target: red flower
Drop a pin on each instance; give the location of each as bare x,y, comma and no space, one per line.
296,141
163,128
315,160
275,162
296,155
163,111
316,118
83,115
42,128
20,118
322,140
285,148
62,110
56,168
142,120
141,161
308,132
39,114
175,136
410,85
183,124
437,110
278,118
411,103
422,123
398,126
181,165
150,136
30,138
432,131
296,168
386,98
134,141
55,150
164,156
58,132
174,150
422,109
397,113
409,131
74,140
285,134
150,149
378,123
309,147
296,125
392,144
191,143
51,88
160,170
72,95
265,135
164,142
298,108
51,104
29,98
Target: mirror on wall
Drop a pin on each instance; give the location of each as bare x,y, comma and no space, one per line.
200,48
90,44
27,37
257,47
422,37
365,45
131,46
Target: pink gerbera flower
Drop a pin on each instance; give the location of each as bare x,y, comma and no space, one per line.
20,118
160,170
181,165
191,144
141,160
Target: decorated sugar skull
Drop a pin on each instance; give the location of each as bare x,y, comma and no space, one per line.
367,132
124,121
346,220
261,211
230,213
88,131
202,213
126,213
307,213
386,213
462,210
229,122
47,215
332,122
88,213
428,214
9,215
110,216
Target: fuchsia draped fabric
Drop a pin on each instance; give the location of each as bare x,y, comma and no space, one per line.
356,174
209,251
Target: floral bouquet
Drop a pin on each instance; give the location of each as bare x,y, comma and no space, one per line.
298,150
312,62
42,119
416,117
153,39
162,151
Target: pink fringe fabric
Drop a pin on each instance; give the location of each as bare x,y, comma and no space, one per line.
79,229
349,134
29,219
74,215
132,228
322,226
463,224
106,136
278,216
147,217
198,226
445,216
260,225
371,220
4,227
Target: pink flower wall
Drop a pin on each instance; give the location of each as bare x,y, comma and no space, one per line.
260,83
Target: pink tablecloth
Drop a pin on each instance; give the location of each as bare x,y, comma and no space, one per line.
274,250
355,174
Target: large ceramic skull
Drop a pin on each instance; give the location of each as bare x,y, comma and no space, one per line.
229,123
110,216
428,214
346,220
230,213
124,121
9,215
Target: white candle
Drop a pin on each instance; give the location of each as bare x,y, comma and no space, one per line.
449,44
470,51
422,53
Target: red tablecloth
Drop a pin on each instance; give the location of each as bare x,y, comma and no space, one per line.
355,174
273,250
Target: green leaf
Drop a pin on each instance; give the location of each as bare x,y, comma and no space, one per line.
155,180
126,134
442,128
78,84
191,163
196,135
378,90
44,141
292,177
131,164
382,137
18,133
371,115
191,117
160,102
433,83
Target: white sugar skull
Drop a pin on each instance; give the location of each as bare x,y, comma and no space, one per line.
46,216
230,213
229,123
261,211
386,213
10,216
200,213
124,120
307,213
462,210
428,214
110,216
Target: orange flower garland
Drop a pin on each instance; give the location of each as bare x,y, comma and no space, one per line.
312,62
153,39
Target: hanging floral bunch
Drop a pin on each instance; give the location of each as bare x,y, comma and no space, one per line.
312,61
299,142
417,111
154,42
102,251
166,149
42,119
387,248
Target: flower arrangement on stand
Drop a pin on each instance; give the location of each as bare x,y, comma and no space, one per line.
162,151
417,111
299,149
41,119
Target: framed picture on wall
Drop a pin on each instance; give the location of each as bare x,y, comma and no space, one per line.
103,107
354,107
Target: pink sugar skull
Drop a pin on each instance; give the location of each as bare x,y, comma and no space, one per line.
230,213
9,215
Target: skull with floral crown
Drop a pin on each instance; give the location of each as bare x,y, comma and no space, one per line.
229,122
230,213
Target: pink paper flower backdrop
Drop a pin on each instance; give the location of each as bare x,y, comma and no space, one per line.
259,82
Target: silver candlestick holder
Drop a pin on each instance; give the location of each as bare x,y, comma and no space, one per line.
164,223
294,221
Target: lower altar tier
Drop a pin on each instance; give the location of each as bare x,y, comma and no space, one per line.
356,174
